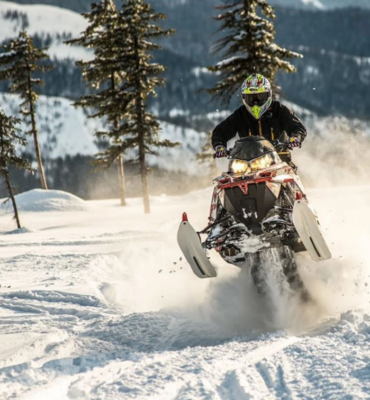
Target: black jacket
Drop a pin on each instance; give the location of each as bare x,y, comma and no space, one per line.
277,122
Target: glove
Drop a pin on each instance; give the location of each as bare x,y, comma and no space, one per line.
220,151
295,141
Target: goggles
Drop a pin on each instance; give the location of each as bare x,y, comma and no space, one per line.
256,99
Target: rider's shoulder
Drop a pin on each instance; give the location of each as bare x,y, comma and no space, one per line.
239,111
278,106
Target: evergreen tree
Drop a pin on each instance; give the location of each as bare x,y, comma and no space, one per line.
20,61
103,73
9,138
248,45
123,72
140,128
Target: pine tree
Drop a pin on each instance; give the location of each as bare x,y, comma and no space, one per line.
20,61
140,128
103,73
9,139
123,45
248,45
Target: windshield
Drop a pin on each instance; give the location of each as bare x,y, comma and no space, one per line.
250,148
252,154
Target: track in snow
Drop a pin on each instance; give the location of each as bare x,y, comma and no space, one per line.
99,310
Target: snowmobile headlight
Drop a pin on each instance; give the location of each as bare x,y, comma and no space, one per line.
262,162
239,166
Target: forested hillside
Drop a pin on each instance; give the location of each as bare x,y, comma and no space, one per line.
83,5
335,45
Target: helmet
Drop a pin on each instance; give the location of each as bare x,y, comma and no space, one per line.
257,95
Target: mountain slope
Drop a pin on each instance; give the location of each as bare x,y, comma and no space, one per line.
84,5
332,47
66,131
321,4
51,25
75,5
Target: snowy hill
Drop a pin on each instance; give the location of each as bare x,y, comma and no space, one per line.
51,24
84,5
322,4
328,46
66,131
98,305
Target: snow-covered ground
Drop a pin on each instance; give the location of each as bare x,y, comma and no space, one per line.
98,304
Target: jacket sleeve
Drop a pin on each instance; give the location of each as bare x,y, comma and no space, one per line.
292,124
225,131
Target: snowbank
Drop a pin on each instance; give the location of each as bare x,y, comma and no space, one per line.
39,200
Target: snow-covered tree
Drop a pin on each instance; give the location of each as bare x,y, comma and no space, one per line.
104,74
123,71
18,64
247,44
9,139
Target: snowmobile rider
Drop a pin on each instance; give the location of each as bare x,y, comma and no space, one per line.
259,116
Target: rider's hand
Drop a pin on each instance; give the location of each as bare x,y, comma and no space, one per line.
294,141
220,151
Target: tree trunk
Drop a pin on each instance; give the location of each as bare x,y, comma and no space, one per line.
121,178
39,161
11,195
121,167
144,176
34,133
140,122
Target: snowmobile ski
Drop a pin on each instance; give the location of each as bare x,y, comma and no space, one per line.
191,246
308,228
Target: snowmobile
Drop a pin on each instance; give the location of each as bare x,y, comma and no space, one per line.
258,205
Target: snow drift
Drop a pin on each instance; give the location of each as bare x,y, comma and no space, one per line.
39,200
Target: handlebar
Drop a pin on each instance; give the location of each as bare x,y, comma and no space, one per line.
279,146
